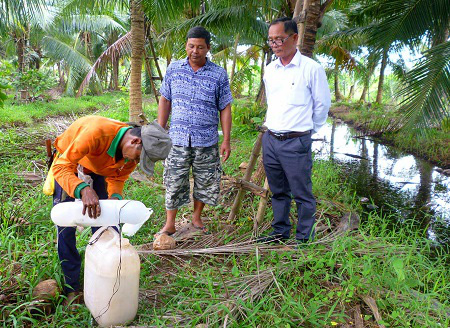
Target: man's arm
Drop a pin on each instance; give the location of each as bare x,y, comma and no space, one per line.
225,122
164,108
64,170
321,98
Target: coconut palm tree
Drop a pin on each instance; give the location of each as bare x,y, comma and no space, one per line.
411,23
21,21
84,8
137,51
339,49
75,41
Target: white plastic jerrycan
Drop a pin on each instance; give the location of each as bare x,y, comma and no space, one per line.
113,211
111,278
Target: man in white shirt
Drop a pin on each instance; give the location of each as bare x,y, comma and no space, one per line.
298,100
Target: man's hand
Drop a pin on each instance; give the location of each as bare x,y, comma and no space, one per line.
225,122
225,150
90,202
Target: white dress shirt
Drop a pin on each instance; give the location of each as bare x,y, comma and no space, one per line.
298,96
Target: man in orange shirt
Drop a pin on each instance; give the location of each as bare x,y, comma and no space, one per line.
96,157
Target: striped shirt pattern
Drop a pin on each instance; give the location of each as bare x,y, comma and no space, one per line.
196,99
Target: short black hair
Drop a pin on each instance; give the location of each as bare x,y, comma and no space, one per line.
289,25
136,131
199,32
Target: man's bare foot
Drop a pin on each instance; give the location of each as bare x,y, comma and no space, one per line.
165,230
198,223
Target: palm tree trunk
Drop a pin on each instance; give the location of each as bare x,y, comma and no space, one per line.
300,11
261,97
62,81
88,45
351,92
20,50
308,14
114,81
337,94
233,66
37,63
137,50
311,26
363,93
381,79
367,82
115,73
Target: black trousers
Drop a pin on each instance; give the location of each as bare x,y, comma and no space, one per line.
288,165
67,245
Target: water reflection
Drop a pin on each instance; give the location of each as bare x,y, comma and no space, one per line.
393,180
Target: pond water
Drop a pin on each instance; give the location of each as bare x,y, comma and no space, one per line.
393,181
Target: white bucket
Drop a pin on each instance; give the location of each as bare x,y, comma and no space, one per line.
111,278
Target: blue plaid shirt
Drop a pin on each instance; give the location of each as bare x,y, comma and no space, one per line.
196,99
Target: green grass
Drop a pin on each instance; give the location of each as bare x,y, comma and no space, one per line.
113,104
320,285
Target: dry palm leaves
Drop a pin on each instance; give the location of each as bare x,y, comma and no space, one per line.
117,49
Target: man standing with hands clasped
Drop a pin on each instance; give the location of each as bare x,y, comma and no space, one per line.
298,100
196,93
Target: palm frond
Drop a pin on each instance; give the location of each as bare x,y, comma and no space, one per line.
333,20
89,23
92,7
117,49
405,21
61,50
426,95
19,10
221,19
158,11
245,73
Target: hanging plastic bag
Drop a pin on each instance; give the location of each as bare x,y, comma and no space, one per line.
49,184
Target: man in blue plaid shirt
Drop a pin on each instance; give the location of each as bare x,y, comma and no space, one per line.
196,93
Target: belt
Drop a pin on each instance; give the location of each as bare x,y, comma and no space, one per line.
288,135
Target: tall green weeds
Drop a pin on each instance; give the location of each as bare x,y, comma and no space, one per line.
385,273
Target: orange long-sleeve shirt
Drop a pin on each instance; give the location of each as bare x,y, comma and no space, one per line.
92,142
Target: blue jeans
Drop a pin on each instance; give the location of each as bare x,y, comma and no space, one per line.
67,245
288,165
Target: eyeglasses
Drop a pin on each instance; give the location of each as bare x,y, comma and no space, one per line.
278,42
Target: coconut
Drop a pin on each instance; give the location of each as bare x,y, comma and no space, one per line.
46,289
163,242
42,294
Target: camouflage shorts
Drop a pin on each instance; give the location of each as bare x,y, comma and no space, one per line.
206,170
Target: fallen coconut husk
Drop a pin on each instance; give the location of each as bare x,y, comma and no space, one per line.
164,242
42,294
46,289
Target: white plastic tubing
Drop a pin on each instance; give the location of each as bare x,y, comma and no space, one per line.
131,212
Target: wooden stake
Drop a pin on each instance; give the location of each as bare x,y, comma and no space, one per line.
248,174
149,72
261,208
